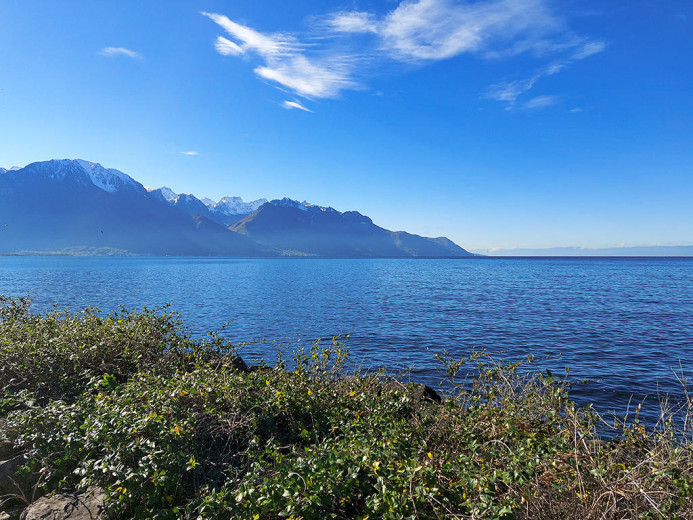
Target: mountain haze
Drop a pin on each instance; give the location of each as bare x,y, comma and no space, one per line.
289,225
59,204
65,204
227,211
625,251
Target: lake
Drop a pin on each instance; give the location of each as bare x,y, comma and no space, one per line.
623,323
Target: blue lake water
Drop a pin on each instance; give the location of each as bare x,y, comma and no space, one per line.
625,323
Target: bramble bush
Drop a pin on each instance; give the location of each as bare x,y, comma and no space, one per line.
170,426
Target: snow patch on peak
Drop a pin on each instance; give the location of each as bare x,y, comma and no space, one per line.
107,179
286,202
303,206
225,206
233,205
168,194
324,209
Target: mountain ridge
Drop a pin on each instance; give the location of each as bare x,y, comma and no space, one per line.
72,204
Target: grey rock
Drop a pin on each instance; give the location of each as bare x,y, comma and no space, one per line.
11,514
418,392
6,445
240,365
7,450
87,505
10,484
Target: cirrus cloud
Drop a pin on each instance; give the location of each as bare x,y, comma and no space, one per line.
509,91
285,61
341,48
289,105
540,102
120,51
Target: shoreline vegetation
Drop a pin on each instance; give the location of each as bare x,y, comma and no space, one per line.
132,412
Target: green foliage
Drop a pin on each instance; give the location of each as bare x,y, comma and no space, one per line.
170,428
58,355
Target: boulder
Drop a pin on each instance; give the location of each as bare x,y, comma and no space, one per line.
87,505
418,391
10,484
240,365
425,392
11,514
7,450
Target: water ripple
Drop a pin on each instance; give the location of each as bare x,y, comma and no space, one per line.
624,323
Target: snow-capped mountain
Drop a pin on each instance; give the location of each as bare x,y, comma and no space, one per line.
80,205
225,205
107,179
226,211
62,204
80,171
286,202
233,205
167,194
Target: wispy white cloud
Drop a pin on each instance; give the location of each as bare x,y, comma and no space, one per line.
441,29
308,78
575,110
120,51
509,91
352,22
285,60
227,47
416,32
289,105
540,102
191,152
250,40
588,49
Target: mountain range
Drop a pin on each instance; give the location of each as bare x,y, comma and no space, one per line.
73,205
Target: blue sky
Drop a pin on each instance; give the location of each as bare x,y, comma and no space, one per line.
497,123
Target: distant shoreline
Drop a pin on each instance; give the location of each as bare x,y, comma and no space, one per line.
629,251
475,256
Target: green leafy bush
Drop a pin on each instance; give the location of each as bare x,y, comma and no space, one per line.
170,427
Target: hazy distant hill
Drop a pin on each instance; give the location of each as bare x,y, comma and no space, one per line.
581,251
290,225
75,205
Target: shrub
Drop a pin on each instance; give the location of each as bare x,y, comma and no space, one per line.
170,428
